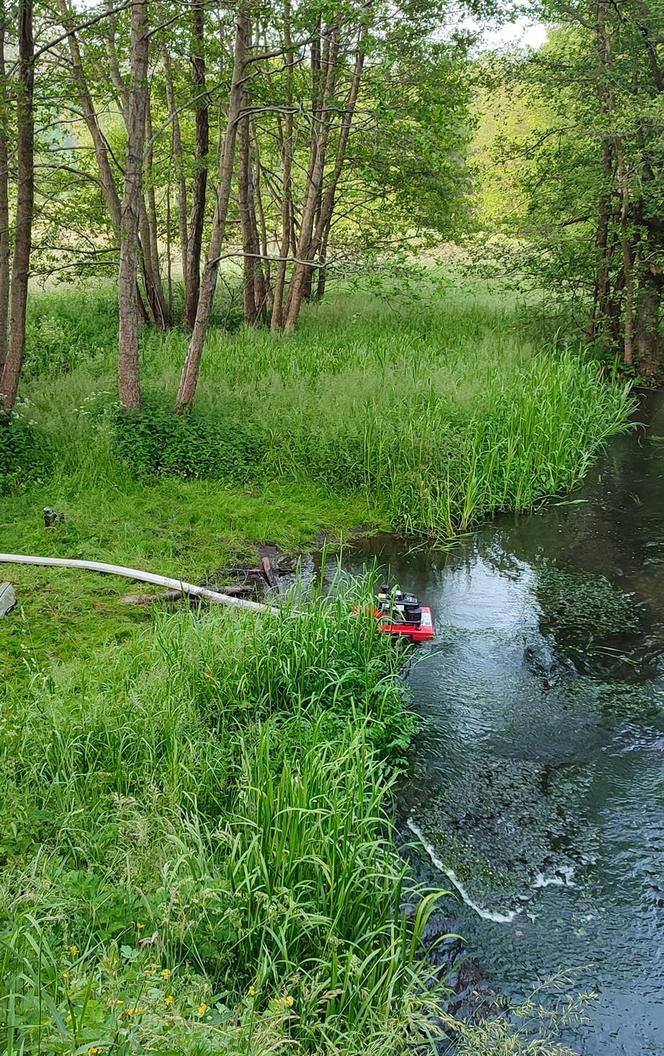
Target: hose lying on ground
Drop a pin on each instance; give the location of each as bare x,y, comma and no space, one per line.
215,597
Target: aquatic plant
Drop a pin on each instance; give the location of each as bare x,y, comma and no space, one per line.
580,604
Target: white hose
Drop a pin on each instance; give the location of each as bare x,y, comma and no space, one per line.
213,596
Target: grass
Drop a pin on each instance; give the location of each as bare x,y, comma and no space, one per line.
196,850
438,412
199,820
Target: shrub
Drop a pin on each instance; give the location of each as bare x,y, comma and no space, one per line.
24,453
155,442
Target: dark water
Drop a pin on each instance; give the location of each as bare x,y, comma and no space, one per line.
538,778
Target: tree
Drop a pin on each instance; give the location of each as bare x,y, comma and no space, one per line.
130,215
25,200
592,172
192,364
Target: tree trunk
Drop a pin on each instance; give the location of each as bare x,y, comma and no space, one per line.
627,254
128,358
316,169
121,92
287,168
150,240
25,199
192,276
264,276
601,291
179,165
329,198
322,260
4,197
253,292
192,364
109,189
648,339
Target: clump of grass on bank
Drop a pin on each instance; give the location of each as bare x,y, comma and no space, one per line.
442,412
196,845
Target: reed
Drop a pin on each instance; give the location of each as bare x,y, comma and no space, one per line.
444,412
220,788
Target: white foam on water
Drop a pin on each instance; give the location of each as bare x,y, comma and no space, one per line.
561,878
486,914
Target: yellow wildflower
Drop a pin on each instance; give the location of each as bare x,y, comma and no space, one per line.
93,1050
65,976
69,1017
73,951
290,1001
252,991
169,999
202,1008
140,926
166,973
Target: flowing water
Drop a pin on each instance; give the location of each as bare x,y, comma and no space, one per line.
537,790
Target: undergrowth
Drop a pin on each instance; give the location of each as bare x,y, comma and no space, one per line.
443,410
197,845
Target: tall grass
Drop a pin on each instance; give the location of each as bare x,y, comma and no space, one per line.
198,849
445,410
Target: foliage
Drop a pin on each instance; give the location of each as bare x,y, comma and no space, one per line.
571,171
24,455
155,441
229,875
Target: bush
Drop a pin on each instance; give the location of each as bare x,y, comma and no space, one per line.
63,331
24,453
157,442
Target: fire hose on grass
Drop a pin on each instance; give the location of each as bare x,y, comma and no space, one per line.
215,597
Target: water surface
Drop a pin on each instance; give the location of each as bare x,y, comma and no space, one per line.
538,777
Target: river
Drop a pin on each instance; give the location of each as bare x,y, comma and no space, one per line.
538,775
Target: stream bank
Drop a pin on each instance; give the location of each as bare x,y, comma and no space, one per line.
537,777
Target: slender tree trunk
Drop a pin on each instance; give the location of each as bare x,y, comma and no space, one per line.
109,189
253,291
192,364
287,168
150,239
322,259
648,343
601,292
128,358
599,320
25,199
5,260
329,198
627,254
179,165
192,278
169,253
315,174
265,276
248,244
120,88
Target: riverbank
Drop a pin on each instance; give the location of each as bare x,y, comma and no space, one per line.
197,808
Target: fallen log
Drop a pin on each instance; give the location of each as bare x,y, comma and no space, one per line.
167,597
215,597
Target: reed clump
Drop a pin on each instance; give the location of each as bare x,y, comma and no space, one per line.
443,412
197,845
